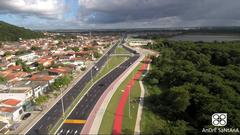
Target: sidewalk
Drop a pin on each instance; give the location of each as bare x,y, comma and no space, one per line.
95,118
137,129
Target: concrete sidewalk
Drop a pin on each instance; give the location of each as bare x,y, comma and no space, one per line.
137,129
95,118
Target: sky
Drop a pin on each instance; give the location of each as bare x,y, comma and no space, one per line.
98,14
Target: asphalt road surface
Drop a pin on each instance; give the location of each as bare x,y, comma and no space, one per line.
85,106
44,125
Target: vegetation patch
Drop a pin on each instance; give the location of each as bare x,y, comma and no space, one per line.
10,32
199,79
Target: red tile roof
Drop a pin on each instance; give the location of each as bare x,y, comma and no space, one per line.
12,102
41,78
58,70
83,52
76,59
11,76
7,109
15,67
43,60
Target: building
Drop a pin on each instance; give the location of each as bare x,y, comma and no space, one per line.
139,42
29,58
59,71
20,93
10,110
10,114
37,87
46,62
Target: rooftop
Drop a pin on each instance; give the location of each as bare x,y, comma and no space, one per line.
12,102
7,109
41,78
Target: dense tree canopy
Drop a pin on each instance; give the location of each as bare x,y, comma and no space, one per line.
200,79
13,33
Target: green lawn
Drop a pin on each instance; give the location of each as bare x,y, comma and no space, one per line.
113,62
108,118
121,50
151,122
129,122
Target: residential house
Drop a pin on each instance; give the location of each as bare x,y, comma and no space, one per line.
10,110
37,87
12,76
20,93
29,58
46,61
42,77
59,71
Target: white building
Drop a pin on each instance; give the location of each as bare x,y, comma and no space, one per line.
29,58
139,42
37,87
20,93
10,110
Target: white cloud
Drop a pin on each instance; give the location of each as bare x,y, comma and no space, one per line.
42,8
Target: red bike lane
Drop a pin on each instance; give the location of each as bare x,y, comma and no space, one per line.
117,127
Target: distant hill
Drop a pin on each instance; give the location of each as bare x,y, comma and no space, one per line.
10,32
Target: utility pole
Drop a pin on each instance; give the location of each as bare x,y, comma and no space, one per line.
129,107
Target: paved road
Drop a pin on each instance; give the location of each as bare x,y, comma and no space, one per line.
54,114
85,106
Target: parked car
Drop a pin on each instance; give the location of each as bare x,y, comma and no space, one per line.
25,116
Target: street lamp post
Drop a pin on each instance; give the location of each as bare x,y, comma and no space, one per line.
91,75
108,60
129,104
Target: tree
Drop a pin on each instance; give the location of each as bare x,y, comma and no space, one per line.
61,81
19,62
24,66
34,48
40,67
20,52
193,81
7,53
96,54
2,79
178,99
178,127
75,49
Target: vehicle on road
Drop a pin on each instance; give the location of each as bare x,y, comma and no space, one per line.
101,84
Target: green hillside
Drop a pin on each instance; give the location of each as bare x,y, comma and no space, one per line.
10,32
